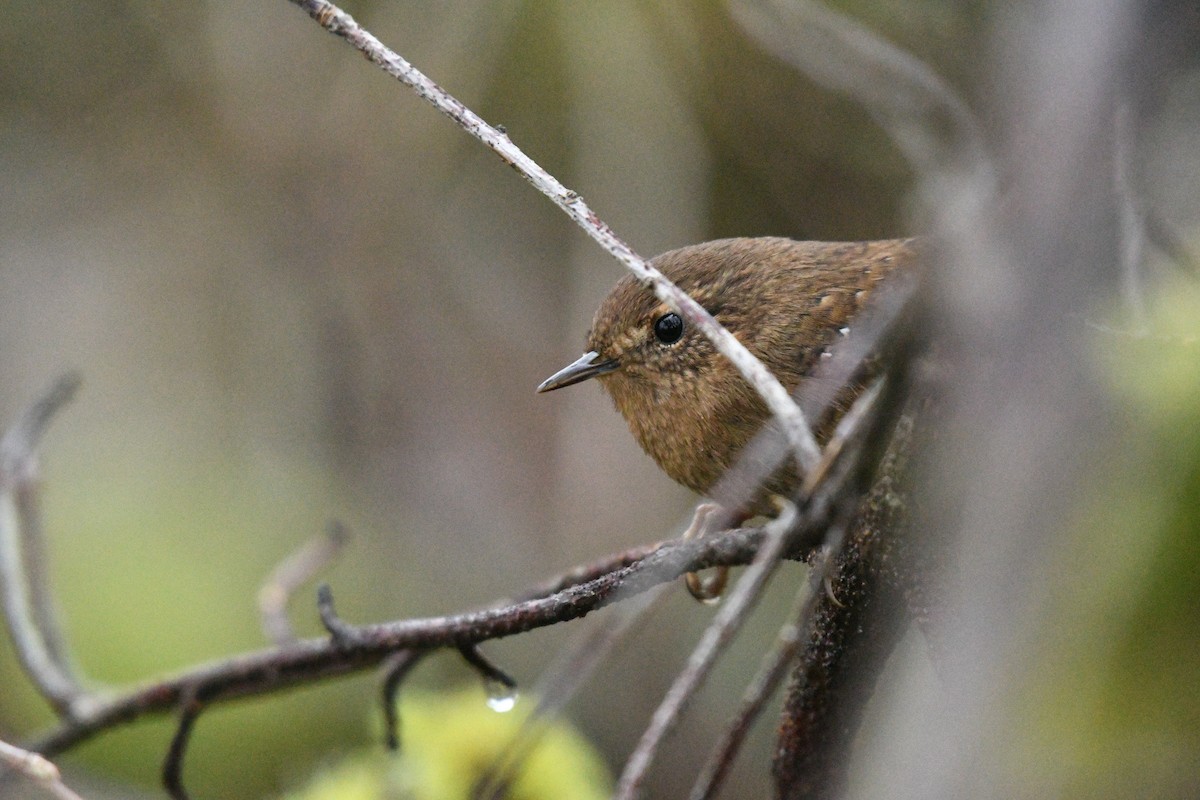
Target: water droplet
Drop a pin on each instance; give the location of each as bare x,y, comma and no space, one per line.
501,697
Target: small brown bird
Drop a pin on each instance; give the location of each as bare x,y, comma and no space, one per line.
687,405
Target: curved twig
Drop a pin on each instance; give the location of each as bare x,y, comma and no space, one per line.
293,572
190,708
395,670
27,605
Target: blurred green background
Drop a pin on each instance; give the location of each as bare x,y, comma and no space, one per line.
296,292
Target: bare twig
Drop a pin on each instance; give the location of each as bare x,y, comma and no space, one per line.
725,624
557,686
341,632
792,419
925,117
500,686
27,604
838,458
37,769
1132,217
190,709
292,573
772,671
395,670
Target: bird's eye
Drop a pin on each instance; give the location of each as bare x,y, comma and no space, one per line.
668,328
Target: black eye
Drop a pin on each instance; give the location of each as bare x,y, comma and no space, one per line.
668,328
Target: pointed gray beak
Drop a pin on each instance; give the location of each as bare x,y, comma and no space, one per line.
586,367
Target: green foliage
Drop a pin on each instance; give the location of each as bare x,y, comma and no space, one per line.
450,742
1113,710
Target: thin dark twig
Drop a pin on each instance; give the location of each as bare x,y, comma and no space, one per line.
27,602
190,709
487,670
293,572
771,672
395,670
342,633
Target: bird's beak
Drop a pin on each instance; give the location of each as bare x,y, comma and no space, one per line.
582,369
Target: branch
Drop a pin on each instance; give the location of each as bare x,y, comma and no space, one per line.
770,673
395,670
37,769
839,466
795,426
292,573
190,709
27,604
727,622
358,648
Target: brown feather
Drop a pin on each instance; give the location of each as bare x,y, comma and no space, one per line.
787,301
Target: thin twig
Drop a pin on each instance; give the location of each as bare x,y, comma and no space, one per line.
770,674
925,117
37,769
290,574
791,418
1131,217
341,632
190,708
839,462
724,625
28,608
497,681
395,670
558,685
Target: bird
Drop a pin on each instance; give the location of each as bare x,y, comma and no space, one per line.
688,406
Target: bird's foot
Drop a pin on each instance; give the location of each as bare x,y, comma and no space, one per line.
707,587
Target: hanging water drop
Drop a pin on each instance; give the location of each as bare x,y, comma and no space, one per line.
501,697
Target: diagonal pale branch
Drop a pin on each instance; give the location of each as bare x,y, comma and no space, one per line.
795,426
725,625
840,460
37,769
771,672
